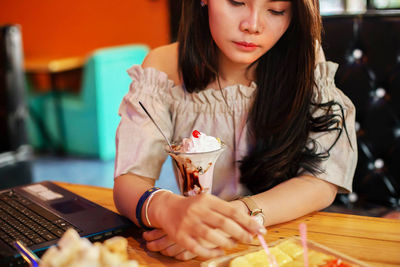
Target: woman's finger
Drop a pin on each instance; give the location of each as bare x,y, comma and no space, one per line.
185,256
160,244
212,238
153,234
229,227
244,220
195,247
172,250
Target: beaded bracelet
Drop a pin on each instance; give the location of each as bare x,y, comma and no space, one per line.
148,203
139,206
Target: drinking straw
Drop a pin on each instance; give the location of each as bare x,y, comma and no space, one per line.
271,257
28,255
303,236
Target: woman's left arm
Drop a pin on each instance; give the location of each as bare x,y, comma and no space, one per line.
293,198
286,201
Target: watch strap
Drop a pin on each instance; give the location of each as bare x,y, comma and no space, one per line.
254,210
251,205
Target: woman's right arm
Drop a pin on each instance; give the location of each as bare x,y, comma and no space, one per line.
128,188
187,220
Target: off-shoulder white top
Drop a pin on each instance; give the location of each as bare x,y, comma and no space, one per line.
140,147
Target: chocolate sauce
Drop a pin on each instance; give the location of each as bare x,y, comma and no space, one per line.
190,176
190,181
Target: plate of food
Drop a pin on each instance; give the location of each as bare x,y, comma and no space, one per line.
72,250
287,252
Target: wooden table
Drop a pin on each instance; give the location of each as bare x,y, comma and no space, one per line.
375,241
53,65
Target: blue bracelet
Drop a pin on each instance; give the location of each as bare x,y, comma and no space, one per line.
139,206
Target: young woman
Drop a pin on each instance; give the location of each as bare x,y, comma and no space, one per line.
252,73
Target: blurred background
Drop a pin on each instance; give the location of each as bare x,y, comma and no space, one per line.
63,74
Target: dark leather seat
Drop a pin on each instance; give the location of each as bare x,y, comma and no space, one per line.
367,48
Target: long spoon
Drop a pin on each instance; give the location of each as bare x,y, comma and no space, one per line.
159,129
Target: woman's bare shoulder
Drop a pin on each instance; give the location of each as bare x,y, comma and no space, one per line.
165,59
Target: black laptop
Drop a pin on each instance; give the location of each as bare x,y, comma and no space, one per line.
38,215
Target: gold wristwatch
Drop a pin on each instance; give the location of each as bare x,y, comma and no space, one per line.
255,211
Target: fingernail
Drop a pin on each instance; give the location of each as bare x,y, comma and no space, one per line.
262,230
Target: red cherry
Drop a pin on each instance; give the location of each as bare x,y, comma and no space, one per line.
196,134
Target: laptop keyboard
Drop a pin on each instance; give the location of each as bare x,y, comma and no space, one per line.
21,219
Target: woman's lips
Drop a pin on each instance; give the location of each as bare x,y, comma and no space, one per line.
246,46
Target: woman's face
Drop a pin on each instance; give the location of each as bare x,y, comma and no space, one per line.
244,30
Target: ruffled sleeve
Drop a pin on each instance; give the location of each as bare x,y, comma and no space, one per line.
339,168
139,145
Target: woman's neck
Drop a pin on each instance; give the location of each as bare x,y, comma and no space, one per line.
230,74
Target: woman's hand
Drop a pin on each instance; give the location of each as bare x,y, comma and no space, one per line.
158,241
201,224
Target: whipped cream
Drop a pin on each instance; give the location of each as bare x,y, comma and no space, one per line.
200,142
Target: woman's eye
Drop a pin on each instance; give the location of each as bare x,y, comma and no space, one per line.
275,12
236,3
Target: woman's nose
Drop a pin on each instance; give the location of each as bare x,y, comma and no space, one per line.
251,23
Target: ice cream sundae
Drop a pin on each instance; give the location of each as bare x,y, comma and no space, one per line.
195,158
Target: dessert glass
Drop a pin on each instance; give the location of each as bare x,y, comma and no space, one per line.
194,171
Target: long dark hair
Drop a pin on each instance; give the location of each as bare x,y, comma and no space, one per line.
280,118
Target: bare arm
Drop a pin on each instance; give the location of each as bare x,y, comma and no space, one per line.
293,198
128,189
286,201
188,221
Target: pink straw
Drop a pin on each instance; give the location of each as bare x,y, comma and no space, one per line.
303,235
265,246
